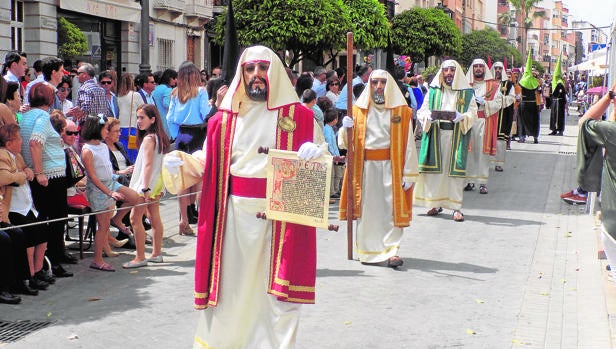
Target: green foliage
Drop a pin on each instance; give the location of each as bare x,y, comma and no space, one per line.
597,81
538,67
424,32
369,21
71,41
429,71
481,43
306,28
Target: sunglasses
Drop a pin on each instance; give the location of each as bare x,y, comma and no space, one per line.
105,82
71,133
63,89
334,84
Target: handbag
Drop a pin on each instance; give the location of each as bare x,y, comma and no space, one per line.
132,139
75,170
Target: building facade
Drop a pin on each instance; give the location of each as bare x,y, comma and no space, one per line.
113,29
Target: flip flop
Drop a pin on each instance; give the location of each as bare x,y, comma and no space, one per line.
102,267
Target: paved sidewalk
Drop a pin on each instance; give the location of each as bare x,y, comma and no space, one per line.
521,272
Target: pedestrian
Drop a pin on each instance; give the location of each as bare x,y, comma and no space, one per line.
505,114
446,117
485,130
384,169
128,102
597,166
91,98
43,152
105,79
162,95
186,119
102,188
252,274
559,103
148,182
529,110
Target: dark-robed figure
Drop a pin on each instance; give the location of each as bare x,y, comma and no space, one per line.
529,112
559,101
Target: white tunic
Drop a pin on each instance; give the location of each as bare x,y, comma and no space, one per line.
440,189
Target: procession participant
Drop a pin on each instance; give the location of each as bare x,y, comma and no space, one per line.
251,273
505,114
529,111
485,130
559,101
385,169
444,143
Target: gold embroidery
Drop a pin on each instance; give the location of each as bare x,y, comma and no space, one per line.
396,119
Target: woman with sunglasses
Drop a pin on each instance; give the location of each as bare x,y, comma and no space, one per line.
333,89
64,88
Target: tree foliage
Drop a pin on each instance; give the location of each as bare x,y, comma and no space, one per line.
71,40
424,32
307,28
481,43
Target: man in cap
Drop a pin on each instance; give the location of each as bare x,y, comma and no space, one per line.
529,111
446,118
485,130
505,114
559,100
252,274
384,169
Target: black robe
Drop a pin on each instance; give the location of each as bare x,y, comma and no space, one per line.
529,113
557,114
505,116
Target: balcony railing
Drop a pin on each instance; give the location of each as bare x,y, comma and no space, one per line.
176,6
198,8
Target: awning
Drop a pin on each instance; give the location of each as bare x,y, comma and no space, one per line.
122,10
596,66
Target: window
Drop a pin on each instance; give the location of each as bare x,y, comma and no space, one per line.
165,54
17,25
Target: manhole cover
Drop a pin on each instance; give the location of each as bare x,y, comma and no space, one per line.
14,331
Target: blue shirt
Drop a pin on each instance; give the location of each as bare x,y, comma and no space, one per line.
341,103
319,88
330,138
193,112
162,98
36,126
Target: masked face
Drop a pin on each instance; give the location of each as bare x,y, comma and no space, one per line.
378,90
498,72
479,71
448,73
255,80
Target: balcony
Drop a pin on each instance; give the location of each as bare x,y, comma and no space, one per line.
173,7
198,12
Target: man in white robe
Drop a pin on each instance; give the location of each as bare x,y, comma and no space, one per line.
252,274
442,158
485,129
505,115
384,169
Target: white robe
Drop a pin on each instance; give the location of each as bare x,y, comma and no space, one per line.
377,239
246,315
478,162
439,189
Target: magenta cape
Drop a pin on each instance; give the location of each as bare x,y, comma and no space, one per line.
292,270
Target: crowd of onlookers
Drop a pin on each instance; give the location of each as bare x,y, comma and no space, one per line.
70,137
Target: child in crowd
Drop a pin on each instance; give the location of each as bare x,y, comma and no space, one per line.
147,180
102,187
331,119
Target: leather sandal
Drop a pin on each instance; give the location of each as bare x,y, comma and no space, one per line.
394,262
469,187
483,189
434,211
458,216
498,168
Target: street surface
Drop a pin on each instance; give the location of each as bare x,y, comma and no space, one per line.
521,272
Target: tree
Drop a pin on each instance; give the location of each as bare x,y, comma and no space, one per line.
71,41
528,14
481,43
306,28
424,32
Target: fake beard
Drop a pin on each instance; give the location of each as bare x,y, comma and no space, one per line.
378,98
256,93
